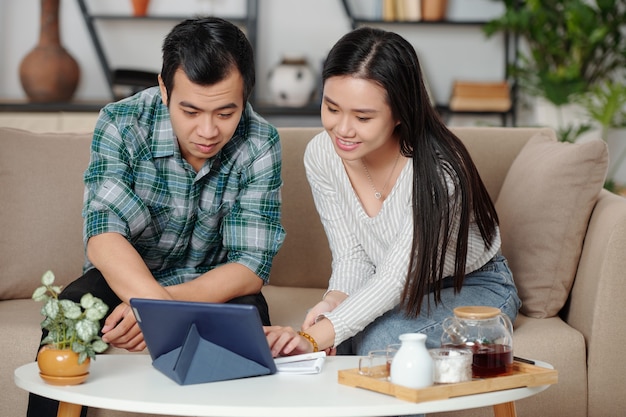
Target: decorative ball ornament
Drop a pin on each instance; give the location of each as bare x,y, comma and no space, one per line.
292,83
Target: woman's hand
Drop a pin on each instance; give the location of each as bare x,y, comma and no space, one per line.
331,300
285,341
316,311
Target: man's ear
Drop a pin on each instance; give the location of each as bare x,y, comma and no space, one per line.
164,96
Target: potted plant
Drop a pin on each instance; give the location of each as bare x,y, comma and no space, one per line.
72,338
569,46
605,104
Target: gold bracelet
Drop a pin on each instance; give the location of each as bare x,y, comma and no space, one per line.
310,339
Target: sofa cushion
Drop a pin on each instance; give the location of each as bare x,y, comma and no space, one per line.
544,207
41,192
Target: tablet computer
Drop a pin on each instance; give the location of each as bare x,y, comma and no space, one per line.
207,333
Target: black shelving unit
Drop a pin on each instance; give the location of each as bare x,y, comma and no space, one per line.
141,79
138,79
510,45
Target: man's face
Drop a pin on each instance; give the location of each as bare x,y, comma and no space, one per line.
204,118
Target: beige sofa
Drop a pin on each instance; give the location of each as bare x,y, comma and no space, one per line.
40,229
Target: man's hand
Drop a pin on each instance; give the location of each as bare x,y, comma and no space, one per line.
122,331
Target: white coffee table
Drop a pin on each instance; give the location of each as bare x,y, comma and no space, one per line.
130,383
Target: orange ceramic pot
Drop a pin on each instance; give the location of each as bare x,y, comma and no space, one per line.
140,7
61,367
434,10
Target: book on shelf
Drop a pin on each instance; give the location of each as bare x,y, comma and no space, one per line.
402,10
389,10
480,96
409,10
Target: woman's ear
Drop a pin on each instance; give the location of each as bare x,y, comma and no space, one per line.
164,97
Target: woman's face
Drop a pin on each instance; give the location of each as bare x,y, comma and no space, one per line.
357,117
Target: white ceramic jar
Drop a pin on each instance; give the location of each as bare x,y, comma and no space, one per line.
292,83
412,365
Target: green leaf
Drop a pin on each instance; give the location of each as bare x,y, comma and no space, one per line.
51,308
87,300
97,310
86,330
70,309
99,346
82,357
78,347
40,294
47,278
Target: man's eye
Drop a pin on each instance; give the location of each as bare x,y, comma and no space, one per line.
363,119
225,115
190,113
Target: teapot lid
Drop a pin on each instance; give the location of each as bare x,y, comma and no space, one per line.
476,312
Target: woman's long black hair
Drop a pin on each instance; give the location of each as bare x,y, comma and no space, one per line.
438,156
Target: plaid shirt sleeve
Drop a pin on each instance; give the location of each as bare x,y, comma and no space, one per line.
109,200
252,232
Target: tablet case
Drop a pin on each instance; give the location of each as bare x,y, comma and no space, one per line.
194,343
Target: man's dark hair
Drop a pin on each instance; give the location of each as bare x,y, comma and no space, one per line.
207,50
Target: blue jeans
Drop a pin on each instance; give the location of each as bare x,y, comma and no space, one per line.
492,285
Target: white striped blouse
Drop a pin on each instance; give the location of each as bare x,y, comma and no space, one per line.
370,254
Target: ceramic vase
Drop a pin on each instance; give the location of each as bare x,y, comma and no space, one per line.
292,83
61,367
49,73
412,365
434,10
140,7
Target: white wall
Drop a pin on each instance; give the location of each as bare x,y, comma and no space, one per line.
285,27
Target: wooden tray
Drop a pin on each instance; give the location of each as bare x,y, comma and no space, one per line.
524,375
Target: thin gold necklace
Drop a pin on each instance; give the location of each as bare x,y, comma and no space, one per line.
379,194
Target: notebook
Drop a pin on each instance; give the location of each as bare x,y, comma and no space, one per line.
193,342
305,363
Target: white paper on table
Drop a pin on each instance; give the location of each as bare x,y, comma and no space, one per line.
306,363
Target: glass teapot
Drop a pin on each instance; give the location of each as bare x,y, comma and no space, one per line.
487,332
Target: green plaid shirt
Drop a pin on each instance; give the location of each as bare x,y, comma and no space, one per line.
181,222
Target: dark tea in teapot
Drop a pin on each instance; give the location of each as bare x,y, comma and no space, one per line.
485,331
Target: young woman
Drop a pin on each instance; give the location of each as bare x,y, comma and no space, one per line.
412,230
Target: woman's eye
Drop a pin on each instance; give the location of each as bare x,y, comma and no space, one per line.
331,110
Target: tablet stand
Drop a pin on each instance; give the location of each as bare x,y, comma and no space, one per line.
198,361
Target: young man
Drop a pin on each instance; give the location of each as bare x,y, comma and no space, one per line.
182,190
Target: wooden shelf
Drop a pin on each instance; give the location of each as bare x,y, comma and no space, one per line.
236,20
445,110
365,21
73,106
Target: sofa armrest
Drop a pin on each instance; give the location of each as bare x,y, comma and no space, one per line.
597,304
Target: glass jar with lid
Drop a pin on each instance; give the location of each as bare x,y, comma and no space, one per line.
487,332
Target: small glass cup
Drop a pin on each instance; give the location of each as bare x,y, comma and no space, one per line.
451,365
392,349
374,364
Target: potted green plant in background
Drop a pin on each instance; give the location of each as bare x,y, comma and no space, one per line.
72,338
605,104
569,47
